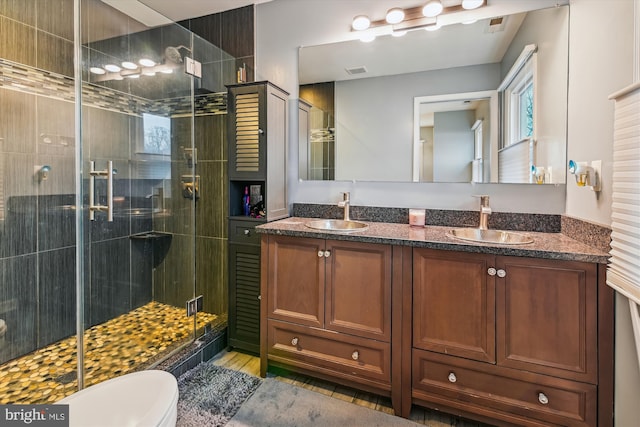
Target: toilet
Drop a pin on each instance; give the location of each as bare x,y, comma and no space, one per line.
140,399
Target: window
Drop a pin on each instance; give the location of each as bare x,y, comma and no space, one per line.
524,99
157,134
518,95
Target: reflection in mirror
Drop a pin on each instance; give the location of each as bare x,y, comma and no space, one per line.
375,131
457,130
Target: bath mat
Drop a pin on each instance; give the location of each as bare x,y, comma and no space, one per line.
277,404
210,395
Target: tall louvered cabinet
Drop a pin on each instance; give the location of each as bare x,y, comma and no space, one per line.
257,136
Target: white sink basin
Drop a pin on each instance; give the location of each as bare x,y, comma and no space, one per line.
337,225
491,236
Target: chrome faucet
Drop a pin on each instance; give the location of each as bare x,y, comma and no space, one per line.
485,211
345,204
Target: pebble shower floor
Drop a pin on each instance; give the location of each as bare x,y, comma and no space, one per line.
125,344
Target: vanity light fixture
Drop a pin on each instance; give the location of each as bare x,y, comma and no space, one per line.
146,62
395,15
130,70
112,68
367,37
471,4
432,9
398,20
435,27
360,22
129,65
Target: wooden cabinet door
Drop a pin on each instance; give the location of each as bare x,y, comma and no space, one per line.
296,280
454,303
547,317
358,286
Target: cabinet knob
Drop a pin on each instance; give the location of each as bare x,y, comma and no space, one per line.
259,297
246,232
501,273
542,398
260,131
452,377
320,254
355,355
294,341
491,271
327,254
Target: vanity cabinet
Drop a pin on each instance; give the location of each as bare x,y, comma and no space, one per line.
505,338
327,309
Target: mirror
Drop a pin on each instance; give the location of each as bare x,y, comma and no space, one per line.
362,122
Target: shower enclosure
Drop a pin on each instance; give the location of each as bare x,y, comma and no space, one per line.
111,193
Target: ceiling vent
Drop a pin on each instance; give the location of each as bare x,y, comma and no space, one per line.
356,70
496,24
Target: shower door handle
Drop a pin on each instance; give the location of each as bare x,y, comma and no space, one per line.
93,207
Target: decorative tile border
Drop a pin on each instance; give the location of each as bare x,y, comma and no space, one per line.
34,81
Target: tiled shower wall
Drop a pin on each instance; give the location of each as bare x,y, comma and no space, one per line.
37,241
37,297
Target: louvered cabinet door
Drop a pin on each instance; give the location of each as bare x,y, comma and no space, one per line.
247,132
244,297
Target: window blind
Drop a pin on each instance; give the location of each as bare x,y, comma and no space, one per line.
515,161
623,273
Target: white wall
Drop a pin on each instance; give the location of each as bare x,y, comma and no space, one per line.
281,28
602,59
453,145
549,29
601,62
374,119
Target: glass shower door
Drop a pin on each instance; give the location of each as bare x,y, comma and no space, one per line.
139,188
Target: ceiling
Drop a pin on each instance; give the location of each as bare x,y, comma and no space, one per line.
178,10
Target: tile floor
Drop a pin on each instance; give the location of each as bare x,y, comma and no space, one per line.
130,342
251,365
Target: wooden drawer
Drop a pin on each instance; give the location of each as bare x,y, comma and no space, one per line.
350,355
244,232
490,390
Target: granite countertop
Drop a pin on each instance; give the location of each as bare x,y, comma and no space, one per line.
545,245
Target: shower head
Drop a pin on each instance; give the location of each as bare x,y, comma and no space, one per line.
172,53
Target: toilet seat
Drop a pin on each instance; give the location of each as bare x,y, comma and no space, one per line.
141,399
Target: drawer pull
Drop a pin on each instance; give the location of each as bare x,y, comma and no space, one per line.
247,232
501,273
355,355
452,377
542,398
294,341
491,271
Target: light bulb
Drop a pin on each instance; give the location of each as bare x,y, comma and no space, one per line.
129,65
471,4
146,62
368,37
395,15
112,68
360,22
97,70
433,8
435,27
